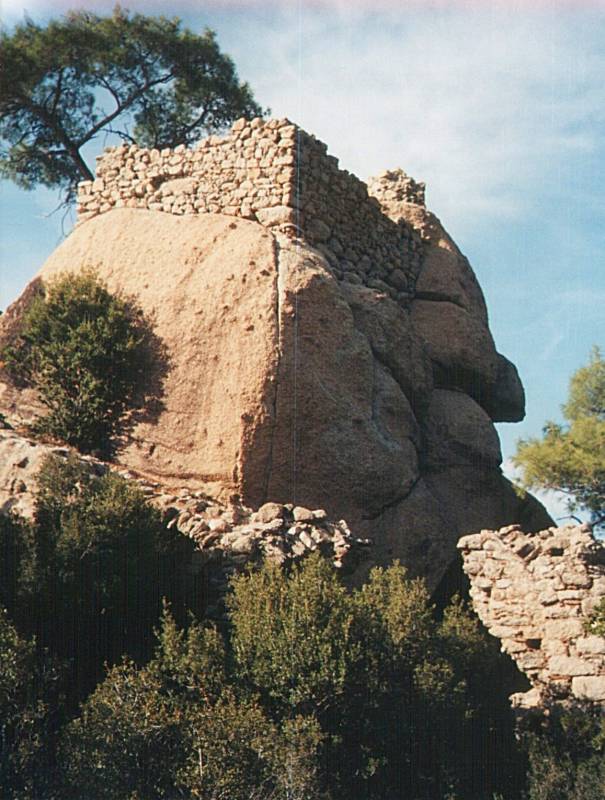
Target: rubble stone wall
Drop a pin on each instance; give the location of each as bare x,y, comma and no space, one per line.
536,592
228,537
274,173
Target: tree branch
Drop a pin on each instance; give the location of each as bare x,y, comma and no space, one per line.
72,148
123,106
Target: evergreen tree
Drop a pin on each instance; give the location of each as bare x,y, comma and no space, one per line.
144,78
570,458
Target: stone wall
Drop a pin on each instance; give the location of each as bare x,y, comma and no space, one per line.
535,593
228,536
395,186
274,173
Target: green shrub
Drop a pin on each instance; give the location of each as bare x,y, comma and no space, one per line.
89,355
176,728
29,698
391,687
87,577
567,755
314,691
595,625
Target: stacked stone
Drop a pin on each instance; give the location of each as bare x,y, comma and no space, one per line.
273,173
536,594
232,537
228,537
275,532
395,186
246,172
349,227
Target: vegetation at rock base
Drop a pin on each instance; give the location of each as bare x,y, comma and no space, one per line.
89,354
86,578
176,728
29,703
571,458
145,79
315,691
567,755
309,690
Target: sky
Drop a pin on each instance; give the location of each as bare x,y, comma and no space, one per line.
498,106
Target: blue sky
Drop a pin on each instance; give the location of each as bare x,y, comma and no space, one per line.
498,106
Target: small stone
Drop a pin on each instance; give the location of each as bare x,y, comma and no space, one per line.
302,514
571,666
218,525
269,512
594,645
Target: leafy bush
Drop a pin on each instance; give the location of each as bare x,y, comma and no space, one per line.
595,624
567,755
88,575
315,691
176,728
89,355
311,690
391,687
29,698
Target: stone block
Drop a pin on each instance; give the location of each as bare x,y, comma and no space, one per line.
571,665
278,215
301,514
269,512
589,688
591,644
563,629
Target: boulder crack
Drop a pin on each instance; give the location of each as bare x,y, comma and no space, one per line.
400,498
273,400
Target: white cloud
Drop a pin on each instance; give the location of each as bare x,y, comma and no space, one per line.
482,106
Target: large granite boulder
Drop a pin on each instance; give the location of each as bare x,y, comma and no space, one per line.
287,383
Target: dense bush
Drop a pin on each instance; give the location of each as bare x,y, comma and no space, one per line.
29,703
314,691
308,691
88,353
87,577
567,755
176,728
401,697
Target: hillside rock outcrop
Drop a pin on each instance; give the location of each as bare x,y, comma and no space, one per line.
327,348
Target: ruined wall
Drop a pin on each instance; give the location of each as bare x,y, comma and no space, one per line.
228,536
535,593
274,173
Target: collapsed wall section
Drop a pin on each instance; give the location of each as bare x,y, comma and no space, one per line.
536,594
273,173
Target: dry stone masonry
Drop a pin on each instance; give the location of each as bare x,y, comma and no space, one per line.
394,186
274,173
228,536
535,593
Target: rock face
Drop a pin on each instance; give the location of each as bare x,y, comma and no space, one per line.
535,593
327,348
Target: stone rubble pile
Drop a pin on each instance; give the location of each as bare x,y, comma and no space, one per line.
274,173
536,593
228,536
